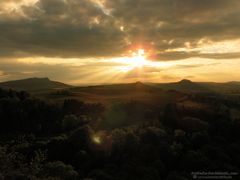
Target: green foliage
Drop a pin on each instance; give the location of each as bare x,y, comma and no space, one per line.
81,137
14,164
70,122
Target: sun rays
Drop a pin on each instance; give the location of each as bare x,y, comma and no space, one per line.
136,59
134,65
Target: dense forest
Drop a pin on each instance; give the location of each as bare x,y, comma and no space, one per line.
44,139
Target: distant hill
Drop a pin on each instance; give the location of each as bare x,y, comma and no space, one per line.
42,85
117,89
34,84
116,93
228,87
183,86
200,87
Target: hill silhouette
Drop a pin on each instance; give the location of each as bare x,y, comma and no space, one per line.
34,84
228,87
117,88
184,85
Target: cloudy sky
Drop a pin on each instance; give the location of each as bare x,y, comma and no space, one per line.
104,41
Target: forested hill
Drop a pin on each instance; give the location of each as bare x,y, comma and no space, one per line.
72,140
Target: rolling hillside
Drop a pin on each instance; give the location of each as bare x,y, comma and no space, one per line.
45,85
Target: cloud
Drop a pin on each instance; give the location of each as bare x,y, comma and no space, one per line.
57,28
103,28
187,66
180,55
171,23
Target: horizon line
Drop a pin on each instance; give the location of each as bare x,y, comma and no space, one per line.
115,83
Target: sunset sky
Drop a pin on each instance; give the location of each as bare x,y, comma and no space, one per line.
111,41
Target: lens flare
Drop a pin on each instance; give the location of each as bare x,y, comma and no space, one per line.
96,139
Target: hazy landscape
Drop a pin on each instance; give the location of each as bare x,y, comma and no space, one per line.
119,89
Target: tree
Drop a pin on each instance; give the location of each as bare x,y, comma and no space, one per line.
59,170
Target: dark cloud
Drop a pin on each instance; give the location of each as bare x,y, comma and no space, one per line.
161,21
180,55
61,28
53,7
84,28
185,66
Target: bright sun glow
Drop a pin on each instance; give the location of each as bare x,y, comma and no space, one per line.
136,59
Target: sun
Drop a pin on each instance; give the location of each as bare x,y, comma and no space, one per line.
138,59
135,59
